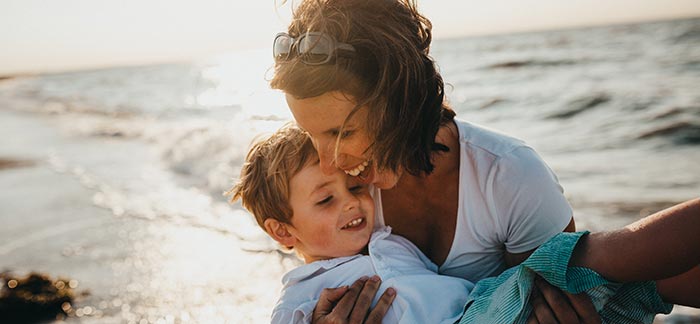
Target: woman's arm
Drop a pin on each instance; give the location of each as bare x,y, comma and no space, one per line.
660,246
683,289
664,246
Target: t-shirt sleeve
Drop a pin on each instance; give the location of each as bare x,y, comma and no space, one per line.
528,201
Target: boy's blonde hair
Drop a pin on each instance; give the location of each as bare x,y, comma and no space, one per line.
263,186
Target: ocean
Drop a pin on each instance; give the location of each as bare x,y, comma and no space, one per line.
114,177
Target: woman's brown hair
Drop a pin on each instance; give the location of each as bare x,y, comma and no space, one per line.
390,73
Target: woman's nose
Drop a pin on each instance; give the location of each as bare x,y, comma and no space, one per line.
326,156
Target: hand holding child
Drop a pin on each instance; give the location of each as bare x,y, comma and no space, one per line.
352,304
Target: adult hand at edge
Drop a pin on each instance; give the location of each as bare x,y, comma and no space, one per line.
352,304
552,305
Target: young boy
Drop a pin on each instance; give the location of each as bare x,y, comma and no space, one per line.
329,221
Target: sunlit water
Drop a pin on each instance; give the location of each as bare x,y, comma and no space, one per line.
126,194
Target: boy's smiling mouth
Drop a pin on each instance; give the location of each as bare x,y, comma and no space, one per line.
354,223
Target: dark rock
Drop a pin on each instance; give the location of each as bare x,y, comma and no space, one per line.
34,298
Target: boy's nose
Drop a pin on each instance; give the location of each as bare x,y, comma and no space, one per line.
351,203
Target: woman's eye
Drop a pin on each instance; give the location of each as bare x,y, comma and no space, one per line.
345,134
325,200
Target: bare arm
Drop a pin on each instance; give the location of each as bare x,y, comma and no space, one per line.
660,246
683,289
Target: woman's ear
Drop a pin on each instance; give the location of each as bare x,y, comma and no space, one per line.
279,232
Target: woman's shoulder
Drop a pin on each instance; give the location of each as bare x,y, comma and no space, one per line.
487,153
475,139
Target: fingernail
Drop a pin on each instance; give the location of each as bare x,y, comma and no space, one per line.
391,291
364,278
375,278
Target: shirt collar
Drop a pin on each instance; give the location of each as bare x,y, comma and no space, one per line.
318,267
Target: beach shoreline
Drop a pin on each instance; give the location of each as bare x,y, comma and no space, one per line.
128,267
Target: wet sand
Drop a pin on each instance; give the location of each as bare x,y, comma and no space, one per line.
128,268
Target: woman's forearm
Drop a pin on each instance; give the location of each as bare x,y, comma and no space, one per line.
659,246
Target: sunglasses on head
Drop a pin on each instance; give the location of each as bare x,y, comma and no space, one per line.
313,48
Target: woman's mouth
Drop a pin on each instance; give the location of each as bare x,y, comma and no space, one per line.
358,169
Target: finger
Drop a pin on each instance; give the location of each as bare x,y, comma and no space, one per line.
532,319
540,310
377,314
346,303
584,308
364,300
558,302
328,298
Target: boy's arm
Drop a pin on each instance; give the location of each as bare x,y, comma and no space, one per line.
660,246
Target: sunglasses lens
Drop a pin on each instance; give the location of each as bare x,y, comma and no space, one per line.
312,48
282,47
315,49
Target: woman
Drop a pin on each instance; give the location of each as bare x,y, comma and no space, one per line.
358,78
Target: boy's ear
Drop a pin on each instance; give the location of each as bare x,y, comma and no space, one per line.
279,232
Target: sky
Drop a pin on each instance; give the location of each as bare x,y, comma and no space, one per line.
59,35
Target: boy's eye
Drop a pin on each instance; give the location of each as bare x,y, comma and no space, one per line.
357,188
325,200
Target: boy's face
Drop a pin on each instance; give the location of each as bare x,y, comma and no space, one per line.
332,215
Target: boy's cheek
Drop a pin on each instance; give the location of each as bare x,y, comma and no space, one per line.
368,203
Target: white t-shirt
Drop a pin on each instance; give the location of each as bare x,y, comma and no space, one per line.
422,296
509,200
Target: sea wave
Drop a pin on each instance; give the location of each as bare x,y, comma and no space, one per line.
531,63
580,105
679,132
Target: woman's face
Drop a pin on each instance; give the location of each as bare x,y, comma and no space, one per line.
323,117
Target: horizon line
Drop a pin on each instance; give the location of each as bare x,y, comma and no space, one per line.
165,61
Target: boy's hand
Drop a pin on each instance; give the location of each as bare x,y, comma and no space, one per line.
552,305
352,304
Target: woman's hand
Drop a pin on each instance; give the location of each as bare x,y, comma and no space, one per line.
552,305
352,304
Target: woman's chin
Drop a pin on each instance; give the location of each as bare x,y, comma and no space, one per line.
367,175
383,180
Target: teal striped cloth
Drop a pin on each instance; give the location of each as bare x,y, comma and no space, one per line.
505,299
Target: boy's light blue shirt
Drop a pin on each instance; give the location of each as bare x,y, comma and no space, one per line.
423,296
